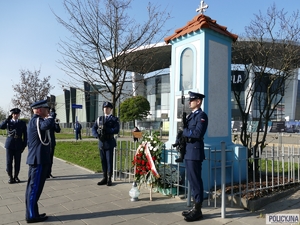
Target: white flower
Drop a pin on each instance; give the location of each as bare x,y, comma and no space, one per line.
155,149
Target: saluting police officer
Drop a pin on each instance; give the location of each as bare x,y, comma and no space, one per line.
104,128
15,144
38,158
194,131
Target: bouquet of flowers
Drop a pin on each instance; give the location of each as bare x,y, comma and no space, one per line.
146,161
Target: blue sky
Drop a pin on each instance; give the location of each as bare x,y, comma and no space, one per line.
29,32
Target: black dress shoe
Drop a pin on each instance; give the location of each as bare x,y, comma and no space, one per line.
17,180
103,181
11,180
36,220
109,183
52,176
43,215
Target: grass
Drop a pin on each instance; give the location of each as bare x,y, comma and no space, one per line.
67,133
83,153
86,153
69,136
266,166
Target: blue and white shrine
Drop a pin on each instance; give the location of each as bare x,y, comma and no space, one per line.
201,62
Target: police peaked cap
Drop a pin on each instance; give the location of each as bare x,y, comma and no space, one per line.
15,111
40,104
107,104
194,95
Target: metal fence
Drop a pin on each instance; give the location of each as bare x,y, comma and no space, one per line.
275,168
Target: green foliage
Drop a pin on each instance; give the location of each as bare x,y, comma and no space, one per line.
135,108
168,175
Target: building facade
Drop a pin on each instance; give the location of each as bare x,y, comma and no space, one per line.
156,88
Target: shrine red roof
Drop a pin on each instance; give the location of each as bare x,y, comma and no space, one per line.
200,22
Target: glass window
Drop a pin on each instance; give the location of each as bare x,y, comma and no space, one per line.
187,68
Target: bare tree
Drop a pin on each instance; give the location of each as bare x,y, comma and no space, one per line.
270,54
3,115
30,89
105,42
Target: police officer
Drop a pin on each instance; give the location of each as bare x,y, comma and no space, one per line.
15,144
77,128
194,131
104,128
38,158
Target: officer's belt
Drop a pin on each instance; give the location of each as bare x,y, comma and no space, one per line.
192,140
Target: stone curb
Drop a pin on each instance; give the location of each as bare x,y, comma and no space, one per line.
256,204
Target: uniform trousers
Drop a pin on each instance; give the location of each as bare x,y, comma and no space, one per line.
37,175
78,135
13,155
106,156
51,157
193,168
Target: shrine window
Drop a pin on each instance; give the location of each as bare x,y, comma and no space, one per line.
187,69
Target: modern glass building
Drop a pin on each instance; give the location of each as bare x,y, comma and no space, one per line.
156,88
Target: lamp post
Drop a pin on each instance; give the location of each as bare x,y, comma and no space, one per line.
134,192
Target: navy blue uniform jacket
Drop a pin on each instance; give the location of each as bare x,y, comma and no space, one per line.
37,152
112,126
197,124
15,129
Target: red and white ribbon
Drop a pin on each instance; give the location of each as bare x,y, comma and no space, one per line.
149,157
150,161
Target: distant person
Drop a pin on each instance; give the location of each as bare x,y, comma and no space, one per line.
77,129
135,129
38,158
55,129
15,144
104,129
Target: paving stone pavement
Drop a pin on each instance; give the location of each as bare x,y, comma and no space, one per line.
74,198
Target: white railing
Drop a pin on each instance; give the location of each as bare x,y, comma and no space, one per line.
278,168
